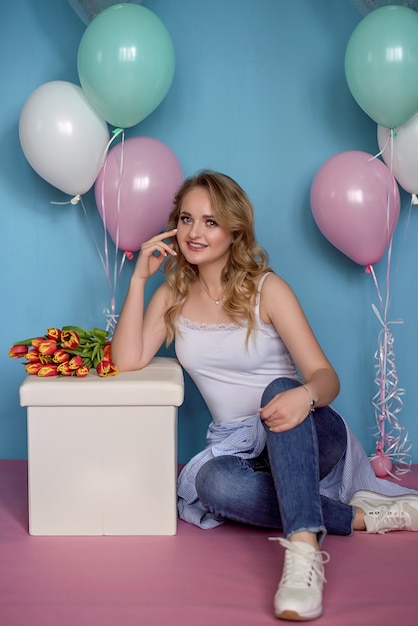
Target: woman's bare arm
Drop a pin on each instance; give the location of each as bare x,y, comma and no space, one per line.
280,307
139,335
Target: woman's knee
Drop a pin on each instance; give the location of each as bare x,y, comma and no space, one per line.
278,386
219,480
210,480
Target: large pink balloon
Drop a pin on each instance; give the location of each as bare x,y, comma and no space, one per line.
355,202
135,189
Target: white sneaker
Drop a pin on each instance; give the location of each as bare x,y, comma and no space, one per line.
299,596
385,513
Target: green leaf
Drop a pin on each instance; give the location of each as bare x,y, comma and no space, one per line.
94,351
25,342
100,334
99,356
77,352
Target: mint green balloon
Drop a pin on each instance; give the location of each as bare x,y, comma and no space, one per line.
125,63
381,65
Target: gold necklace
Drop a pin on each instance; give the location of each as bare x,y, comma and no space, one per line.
216,301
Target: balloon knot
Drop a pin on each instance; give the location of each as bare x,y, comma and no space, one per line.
76,199
414,198
368,269
129,255
393,132
116,131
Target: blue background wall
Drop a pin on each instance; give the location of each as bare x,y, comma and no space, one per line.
259,93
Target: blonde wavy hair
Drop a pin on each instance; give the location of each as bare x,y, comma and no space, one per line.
247,262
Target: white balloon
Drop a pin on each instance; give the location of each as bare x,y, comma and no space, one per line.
87,10
63,137
399,149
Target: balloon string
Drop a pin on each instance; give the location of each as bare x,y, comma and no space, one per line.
382,150
116,132
110,313
103,214
121,165
393,439
103,262
384,306
111,318
389,138
74,200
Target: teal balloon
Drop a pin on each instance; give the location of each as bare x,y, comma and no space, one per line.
126,63
381,65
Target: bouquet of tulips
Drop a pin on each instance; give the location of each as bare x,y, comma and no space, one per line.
70,351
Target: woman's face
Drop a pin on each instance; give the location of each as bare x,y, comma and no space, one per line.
200,238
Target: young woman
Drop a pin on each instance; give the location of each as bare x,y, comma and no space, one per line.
277,454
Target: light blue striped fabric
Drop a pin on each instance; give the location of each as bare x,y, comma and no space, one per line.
354,472
247,440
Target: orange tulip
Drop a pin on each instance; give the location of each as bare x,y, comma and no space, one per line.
47,347
16,352
33,356
53,333
36,341
107,368
60,356
82,371
106,353
33,368
48,370
64,369
75,362
69,339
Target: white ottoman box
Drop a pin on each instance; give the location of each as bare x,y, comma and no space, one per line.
102,452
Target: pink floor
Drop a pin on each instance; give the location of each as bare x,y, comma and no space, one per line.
226,576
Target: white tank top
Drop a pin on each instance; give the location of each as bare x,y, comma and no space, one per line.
231,375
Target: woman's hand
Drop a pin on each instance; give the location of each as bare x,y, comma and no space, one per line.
152,254
286,410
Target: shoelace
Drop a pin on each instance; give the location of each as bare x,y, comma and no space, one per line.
297,569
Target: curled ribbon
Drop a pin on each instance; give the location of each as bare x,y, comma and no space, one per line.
392,438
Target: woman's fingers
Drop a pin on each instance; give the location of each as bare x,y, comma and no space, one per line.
152,254
158,245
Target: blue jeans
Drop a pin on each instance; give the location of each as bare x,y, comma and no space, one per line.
280,488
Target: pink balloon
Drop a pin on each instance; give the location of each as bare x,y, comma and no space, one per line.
382,465
135,189
355,202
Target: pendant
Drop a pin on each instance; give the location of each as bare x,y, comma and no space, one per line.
217,301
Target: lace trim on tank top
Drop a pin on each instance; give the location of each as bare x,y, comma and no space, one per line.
208,327
219,327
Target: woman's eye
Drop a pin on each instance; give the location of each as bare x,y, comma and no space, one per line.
211,223
185,219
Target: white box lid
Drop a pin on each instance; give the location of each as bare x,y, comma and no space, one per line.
161,383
